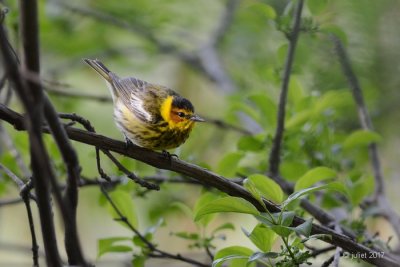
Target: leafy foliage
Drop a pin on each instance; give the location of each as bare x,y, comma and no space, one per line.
324,152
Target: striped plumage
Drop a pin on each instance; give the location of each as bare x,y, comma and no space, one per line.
149,115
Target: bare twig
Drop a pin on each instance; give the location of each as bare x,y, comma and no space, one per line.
130,175
25,195
200,174
364,117
7,202
154,251
274,156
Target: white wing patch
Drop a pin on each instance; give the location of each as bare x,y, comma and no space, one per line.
138,106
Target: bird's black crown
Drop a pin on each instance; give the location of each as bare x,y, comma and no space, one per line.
182,103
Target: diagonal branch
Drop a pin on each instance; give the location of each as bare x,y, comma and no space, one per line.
202,175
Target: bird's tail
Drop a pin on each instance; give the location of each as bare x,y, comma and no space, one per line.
99,68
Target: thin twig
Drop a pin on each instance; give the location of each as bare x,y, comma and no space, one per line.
25,195
275,154
363,115
130,175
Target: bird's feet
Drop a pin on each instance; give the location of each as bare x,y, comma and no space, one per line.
168,155
128,143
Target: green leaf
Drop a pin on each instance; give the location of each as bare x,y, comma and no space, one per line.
298,194
137,241
292,170
267,108
188,236
296,91
181,207
226,204
138,261
284,220
218,262
298,119
247,109
304,228
336,31
263,237
123,201
232,253
317,6
205,198
281,230
282,52
263,9
251,187
332,99
361,188
251,143
267,187
260,255
106,245
229,164
313,176
225,226
361,138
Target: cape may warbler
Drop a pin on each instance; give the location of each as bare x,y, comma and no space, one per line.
151,116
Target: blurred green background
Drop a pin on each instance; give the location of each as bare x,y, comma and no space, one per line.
164,42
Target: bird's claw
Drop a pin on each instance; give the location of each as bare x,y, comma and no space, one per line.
168,155
128,143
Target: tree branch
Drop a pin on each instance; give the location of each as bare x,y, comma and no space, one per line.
379,197
202,175
31,97
275,154
30,39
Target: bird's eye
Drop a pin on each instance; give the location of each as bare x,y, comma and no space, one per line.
181,114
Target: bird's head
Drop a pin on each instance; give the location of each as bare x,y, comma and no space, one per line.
179,113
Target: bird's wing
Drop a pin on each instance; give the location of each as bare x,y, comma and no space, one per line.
142,98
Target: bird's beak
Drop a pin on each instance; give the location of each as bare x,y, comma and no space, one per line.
197,118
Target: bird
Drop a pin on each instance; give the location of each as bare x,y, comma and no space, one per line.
149,115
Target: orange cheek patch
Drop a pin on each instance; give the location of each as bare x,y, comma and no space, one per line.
175,118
